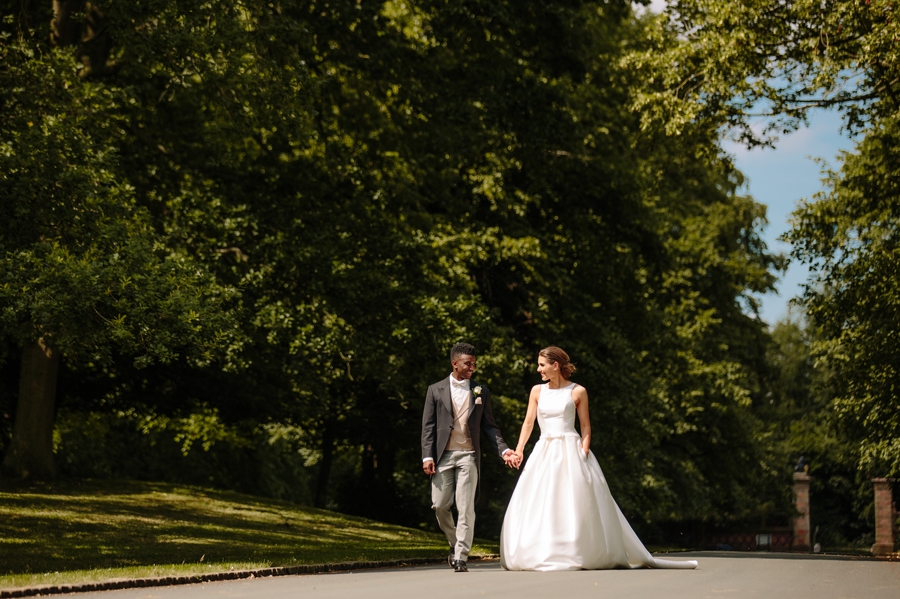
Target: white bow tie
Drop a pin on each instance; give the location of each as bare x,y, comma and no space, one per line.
460,384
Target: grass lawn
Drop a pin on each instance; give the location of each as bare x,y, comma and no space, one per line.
88,531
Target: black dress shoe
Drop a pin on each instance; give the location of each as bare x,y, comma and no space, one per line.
450,560
460,566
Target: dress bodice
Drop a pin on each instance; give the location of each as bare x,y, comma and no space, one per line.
556,412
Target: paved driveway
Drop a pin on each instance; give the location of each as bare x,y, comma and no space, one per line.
720,575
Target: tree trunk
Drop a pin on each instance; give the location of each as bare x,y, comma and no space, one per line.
30,452
63,28
325,466
91,35
96,44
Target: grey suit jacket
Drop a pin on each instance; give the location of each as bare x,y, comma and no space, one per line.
437,422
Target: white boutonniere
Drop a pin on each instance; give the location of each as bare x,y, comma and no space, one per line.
477,392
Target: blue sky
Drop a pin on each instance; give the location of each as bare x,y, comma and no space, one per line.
779,178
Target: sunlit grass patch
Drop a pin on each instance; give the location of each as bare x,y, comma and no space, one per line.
93,531
107,574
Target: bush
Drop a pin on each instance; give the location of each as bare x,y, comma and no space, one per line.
196,449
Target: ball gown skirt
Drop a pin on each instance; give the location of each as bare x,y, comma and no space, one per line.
562,515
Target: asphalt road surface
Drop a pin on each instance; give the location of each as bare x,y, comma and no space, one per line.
720,575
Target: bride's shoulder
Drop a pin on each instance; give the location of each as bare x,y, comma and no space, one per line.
536,390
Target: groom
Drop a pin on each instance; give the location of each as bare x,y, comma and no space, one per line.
456,409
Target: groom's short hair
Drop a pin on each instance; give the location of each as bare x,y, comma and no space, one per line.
462,349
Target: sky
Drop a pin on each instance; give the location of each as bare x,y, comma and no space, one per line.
779,178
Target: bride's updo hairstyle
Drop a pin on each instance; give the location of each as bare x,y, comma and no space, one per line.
556,354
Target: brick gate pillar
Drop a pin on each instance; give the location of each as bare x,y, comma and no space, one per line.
884,517
801,503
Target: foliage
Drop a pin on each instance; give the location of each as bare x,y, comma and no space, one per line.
382,179
80,263
734,62
801,423
849,236
268,461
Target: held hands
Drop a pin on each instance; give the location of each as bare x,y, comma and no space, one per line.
513,459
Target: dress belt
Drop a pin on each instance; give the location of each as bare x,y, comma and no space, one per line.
559,436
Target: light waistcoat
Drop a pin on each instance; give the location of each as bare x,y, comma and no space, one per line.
460,438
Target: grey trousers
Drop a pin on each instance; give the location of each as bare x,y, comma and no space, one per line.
456,477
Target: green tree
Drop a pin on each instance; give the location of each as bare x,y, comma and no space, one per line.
848,235
802,423
382,179
83,274
736,62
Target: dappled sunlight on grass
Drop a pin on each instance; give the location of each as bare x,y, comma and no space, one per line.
103,526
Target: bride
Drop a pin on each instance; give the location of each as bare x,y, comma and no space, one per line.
562,515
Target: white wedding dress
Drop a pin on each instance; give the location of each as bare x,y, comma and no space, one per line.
562,515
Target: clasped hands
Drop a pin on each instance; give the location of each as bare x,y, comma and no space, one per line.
512,459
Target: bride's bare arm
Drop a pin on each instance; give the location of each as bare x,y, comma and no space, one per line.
528,423
580,397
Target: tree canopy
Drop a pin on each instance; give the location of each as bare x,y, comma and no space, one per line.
849,237
257,228
737,62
